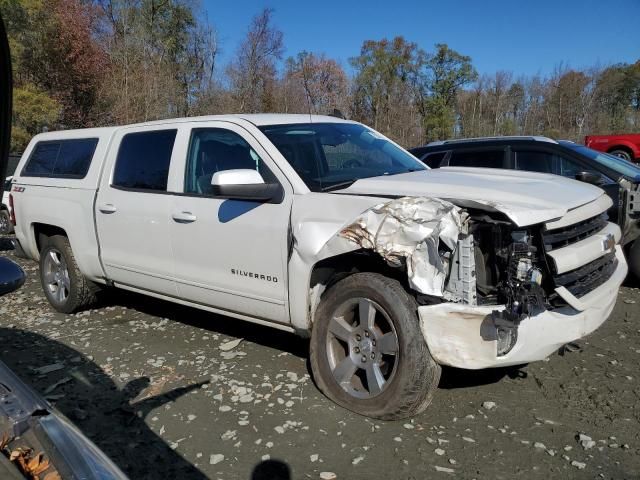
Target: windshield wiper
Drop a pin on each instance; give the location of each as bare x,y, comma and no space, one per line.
337,186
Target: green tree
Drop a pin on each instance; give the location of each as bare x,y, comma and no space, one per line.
33,112
382,86
441,77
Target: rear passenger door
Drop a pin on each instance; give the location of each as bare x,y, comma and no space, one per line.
229,254
132,210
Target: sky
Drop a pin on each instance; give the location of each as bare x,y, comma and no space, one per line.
523,36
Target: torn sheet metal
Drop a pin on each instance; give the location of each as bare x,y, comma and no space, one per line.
410,229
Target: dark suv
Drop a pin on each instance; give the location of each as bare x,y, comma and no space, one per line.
619,178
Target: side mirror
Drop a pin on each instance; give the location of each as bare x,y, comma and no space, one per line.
244,184
11,276
589,177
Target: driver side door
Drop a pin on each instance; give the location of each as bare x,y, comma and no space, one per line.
229,254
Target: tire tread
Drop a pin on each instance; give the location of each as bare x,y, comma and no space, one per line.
421,371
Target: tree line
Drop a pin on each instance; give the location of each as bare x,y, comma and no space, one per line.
87,63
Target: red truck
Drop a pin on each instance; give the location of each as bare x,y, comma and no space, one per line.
623,146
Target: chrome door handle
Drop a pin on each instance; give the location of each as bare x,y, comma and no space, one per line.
184,217
107,208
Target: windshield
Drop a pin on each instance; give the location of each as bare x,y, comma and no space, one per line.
330,156
620,165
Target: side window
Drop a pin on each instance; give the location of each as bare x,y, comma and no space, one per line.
534,161
477,158
434,160
214,150
63,158
570,168
143,160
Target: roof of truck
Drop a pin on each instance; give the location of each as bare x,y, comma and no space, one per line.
258,119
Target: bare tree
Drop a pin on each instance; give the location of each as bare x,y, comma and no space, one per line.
253,72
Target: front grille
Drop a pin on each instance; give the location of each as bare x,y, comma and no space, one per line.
562,237
588,277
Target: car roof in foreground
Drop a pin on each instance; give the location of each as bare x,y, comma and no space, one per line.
258,119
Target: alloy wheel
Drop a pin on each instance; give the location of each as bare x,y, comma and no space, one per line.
362,348
56,275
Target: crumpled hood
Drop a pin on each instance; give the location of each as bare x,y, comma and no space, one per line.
527,198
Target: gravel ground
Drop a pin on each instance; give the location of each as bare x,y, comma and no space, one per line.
173,392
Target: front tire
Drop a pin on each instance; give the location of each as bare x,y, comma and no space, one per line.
367,351
63,284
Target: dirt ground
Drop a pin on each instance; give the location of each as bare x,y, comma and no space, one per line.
164,393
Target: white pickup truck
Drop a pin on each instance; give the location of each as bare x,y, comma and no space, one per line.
325,228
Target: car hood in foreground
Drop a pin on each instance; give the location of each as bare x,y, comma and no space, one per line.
526,198
22,411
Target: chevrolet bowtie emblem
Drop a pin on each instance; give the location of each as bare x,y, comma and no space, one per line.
609,242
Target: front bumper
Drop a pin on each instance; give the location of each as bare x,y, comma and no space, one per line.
465,336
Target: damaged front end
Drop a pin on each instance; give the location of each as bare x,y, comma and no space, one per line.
509,272
477,277
457,256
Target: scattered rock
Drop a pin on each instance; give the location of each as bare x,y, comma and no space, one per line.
216,458
51,388
444,469
225,347
439,451
49,368
578,465
585,441
489,405
328,476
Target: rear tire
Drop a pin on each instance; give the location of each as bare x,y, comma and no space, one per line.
633,258
622,154
5,222
65,287
367,351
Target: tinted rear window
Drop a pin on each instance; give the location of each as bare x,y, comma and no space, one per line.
62,158
477,158
143,160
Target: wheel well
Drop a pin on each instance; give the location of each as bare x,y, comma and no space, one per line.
331,270
42,231
622,147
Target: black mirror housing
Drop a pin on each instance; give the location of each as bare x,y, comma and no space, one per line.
589,177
